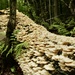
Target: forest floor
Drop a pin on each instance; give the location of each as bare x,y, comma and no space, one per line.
48,53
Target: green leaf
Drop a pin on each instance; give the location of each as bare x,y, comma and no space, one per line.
4,49
13,69
26,44
2,46
10,51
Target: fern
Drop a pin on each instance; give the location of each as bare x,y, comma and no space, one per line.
63,28
72,32
1,47
15,47
4,49
19,47
10,51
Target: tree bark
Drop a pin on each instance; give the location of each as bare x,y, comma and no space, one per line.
55,8
50,11
12,19
72,7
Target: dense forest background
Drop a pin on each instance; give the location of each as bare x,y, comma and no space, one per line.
57,16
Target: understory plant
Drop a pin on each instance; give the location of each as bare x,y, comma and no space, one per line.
10,52
63,28
15,48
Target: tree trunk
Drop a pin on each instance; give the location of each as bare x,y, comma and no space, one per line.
60,8
72,7
55,8
12,19
50,11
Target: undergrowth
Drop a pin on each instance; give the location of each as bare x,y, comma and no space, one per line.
15,47
9,51
63,28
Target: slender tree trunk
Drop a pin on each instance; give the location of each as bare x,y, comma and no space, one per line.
50,11
45,5
60,8
72,7
12,19
55,8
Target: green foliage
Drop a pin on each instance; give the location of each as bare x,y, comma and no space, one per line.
61,28
45,24
15,48
19,47
72,32
13,69
31,9
1,46
70,24
4,4
26,8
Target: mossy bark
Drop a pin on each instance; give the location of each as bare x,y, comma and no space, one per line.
11,25
12,19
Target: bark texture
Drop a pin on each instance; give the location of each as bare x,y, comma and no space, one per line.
12,19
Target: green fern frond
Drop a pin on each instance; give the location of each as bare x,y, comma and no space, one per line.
10,51
16,31
19,47
26,44
4,49
1,47
17,53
